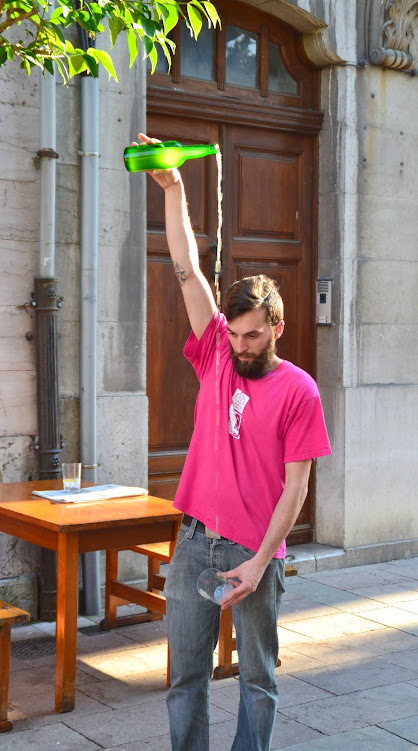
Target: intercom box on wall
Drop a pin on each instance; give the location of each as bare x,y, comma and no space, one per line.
323,301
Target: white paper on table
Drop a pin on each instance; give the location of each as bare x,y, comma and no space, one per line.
97,493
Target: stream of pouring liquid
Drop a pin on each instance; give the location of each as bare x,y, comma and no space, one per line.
218,303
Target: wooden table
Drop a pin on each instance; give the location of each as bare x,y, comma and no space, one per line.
72,529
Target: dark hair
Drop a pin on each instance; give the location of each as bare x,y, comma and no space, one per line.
253,293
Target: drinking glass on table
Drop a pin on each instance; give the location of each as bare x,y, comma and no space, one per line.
71,476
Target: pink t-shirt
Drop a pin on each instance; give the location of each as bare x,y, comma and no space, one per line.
245,432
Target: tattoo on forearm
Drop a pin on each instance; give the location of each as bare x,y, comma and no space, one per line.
180,274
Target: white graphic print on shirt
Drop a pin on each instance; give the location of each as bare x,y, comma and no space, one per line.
239,400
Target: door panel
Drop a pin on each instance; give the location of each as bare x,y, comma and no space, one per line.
269,179
262,218
172,386
258,193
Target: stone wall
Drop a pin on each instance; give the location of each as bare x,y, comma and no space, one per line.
122,412
368,361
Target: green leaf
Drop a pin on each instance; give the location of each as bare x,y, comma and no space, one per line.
63,71
171,19
91,65
195,19
59,40
153,56
132,46
212,13
162,43
149,27
148,46
76,64
57,15
96,9
86,21
49,66
104,59
3,55
115,27
25,64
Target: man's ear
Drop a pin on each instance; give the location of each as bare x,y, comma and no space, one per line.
279,330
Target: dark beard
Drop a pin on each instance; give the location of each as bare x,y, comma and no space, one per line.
258,366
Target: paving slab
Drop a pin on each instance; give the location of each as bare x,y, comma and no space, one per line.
26,632
330,652
389,594
407,659
356,710
406,728
380,642
335,626
154,632
398,618
130,690
357,677
50,628
222,734
288,637
403,562
29,679
49,737
41,701
287,731
410,565
293,661
362,576
159,743
142,722
103,641
300,608
119,663
411,606
16,664
291,691
369,739
337,598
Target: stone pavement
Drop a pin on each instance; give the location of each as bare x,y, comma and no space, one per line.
348,681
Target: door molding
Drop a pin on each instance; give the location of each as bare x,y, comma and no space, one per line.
221,109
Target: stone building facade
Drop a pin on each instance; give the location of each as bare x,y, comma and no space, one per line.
367,360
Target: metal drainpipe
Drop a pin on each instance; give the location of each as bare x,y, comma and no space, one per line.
89,212
47,303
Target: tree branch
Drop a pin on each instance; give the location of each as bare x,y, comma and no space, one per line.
17,19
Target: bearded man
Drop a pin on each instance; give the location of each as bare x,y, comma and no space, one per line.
258,426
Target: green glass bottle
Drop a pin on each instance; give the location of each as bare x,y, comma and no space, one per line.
165,155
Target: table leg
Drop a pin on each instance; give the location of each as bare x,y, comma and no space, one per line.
5,724
110,619
66,640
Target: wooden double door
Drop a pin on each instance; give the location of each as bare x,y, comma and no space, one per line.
268,206
259,102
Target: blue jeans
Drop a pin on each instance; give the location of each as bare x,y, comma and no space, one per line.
193,631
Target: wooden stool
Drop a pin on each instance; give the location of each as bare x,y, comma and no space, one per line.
118,593
9,615
227,642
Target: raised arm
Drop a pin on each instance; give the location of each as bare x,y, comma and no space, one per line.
198,298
